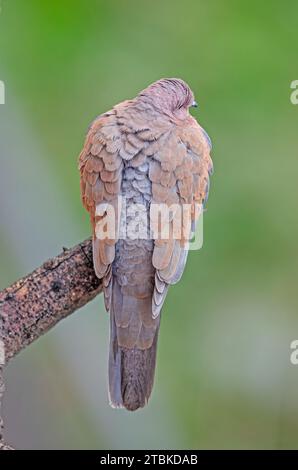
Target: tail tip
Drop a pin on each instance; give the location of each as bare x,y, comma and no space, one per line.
133,398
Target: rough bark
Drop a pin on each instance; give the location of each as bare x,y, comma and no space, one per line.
34,304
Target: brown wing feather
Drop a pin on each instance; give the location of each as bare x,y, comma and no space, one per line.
101,173
179,172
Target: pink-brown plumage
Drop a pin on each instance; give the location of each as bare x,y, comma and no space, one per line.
149,150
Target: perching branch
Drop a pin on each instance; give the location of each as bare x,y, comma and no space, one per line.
34,304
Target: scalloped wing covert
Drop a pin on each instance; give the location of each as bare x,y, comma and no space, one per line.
179,172
101,173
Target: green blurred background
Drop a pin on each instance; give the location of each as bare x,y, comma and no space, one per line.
224,377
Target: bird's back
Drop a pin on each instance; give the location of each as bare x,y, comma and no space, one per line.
133,330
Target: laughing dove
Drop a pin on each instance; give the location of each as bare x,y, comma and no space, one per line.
148,152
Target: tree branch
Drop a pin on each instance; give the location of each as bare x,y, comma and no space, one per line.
34,304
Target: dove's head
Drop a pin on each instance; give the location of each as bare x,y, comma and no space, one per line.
171,96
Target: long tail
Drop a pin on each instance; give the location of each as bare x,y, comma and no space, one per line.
132,356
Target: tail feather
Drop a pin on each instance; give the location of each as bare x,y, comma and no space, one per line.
137,377
131,369
115,394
